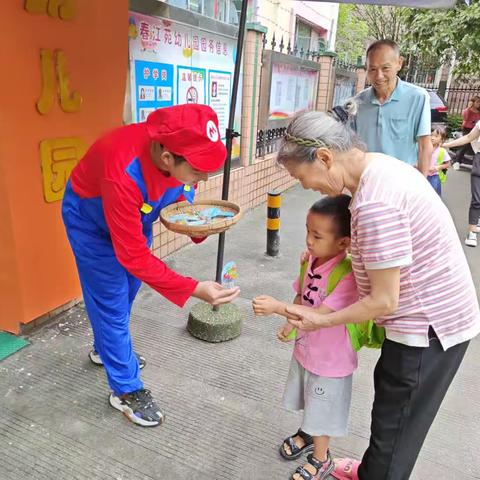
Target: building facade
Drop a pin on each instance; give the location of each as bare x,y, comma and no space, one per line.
178,51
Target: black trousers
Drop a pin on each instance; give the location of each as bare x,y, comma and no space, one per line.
474,210
410,384
465,148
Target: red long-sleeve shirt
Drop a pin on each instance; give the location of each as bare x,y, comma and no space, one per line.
102,173
470,118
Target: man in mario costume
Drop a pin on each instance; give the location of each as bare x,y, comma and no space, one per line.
114,195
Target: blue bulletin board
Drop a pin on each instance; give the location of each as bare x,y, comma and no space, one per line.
153,87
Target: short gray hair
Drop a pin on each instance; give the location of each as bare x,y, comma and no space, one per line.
384,42
312,130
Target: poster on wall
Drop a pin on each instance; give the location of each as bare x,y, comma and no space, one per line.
219,94
292,91
191,84
172,63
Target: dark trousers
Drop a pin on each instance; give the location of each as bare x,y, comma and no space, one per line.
465,148
410,384
474,210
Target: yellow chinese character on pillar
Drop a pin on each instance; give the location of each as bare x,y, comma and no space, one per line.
59,156
69,101
45,102
63,9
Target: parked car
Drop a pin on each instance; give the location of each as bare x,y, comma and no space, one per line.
438,108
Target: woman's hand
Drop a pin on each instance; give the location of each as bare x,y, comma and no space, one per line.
264,305
214,293
306,318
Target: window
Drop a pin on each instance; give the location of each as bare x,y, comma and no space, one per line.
195,6
179,3
222,10
303,35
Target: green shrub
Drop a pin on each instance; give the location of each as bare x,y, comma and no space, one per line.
454,123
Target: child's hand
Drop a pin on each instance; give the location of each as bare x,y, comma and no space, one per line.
264,305
433,171
304,256
284,331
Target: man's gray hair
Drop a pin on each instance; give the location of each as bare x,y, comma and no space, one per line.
312,130
384,42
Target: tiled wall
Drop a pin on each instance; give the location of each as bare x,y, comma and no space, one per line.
248,188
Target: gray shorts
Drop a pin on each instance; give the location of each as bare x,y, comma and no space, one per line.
325,401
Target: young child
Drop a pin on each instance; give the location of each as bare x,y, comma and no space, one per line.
440,160
320,377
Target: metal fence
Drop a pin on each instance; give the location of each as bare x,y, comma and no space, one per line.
268,140
457,98
423,77
344,89
345,81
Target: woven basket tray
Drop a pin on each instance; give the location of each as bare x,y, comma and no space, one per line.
218,225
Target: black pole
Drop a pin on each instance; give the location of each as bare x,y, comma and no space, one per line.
231,133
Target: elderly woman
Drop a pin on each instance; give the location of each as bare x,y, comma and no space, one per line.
418,288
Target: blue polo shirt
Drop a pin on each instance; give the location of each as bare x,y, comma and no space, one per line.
393,127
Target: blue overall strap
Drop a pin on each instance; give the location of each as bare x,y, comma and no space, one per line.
150,208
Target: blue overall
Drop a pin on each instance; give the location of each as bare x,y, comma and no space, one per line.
108,289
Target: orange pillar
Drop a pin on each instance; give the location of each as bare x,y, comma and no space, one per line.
62,85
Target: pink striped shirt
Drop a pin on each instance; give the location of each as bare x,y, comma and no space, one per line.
397,221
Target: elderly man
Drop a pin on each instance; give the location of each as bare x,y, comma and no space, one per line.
393,116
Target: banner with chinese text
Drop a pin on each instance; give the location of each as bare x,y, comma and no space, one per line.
172,63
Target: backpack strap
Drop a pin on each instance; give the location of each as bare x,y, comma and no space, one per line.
301,279
442,174
339,271
303,270
441,154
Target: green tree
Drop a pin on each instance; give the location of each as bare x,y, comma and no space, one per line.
383,22
352,34
447,34
429,37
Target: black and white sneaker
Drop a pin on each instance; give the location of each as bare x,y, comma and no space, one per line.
139,407
96,360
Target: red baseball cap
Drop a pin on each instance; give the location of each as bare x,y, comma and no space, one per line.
190,131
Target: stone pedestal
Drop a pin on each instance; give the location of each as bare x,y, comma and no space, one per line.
215,326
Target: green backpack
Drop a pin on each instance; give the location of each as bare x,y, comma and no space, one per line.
363,334
442,174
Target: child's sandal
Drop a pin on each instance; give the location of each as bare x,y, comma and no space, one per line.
295,450
322,469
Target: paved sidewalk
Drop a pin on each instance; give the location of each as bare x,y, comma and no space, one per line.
223,401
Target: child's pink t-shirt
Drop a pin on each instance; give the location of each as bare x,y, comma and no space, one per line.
326,352
435,154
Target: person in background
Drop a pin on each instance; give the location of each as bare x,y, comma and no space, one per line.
393,116
437,174
471,115
472,138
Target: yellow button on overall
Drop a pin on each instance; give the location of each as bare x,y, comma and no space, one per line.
146,208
